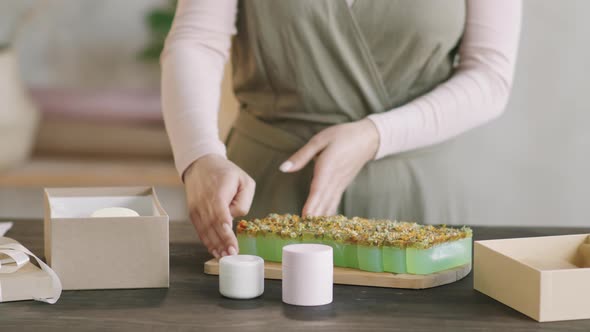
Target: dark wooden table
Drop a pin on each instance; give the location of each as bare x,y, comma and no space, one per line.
193,302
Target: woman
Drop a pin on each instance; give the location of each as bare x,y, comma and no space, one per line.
347,106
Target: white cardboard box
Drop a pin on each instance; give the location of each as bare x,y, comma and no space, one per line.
545,278
106,253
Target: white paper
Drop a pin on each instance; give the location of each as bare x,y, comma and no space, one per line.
5,227
20,256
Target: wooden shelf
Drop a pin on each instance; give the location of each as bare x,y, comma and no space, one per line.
66,172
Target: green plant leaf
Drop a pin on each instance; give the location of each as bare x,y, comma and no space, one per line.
152,51
158,21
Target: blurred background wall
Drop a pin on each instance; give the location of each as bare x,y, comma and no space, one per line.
530,167
93,44
85,42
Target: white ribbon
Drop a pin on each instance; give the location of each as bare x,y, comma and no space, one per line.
5,227
19,256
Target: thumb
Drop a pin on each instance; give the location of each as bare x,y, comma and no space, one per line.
304,155
240,205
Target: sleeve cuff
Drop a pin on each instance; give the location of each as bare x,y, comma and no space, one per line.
184,160
392,132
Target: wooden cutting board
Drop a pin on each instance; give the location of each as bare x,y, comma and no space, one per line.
345,276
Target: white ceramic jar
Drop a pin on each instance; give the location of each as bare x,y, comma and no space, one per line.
241,276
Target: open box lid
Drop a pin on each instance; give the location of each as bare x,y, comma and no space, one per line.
66,203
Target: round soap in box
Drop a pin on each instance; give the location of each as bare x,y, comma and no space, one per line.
112,212
241,276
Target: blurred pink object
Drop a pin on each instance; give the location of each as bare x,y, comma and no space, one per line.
308,274
18,115
100,105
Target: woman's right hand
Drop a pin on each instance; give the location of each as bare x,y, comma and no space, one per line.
217,191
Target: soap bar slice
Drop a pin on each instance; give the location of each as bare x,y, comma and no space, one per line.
370,258
351,259
394,260
337,252
439,258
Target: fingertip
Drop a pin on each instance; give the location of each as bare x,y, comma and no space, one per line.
286,166
232,251
215,253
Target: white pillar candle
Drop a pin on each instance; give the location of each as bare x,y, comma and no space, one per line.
308,274
241,276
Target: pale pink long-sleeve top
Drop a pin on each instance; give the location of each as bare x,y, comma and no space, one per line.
198,47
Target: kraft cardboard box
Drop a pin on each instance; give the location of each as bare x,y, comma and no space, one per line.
545,278
106,252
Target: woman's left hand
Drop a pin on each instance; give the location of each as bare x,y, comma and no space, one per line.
341,151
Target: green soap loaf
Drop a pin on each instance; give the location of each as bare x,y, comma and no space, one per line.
247,244
311,238
394,259
439,258
360,243
367,258
337,248
370,258
269,247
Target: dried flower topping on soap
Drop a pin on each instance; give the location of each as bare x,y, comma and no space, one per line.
356,230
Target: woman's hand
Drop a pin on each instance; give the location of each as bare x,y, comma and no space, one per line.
217,191
341,152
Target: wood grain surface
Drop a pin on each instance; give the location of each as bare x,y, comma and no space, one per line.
193,302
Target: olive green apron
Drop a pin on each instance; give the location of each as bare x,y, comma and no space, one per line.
301,66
